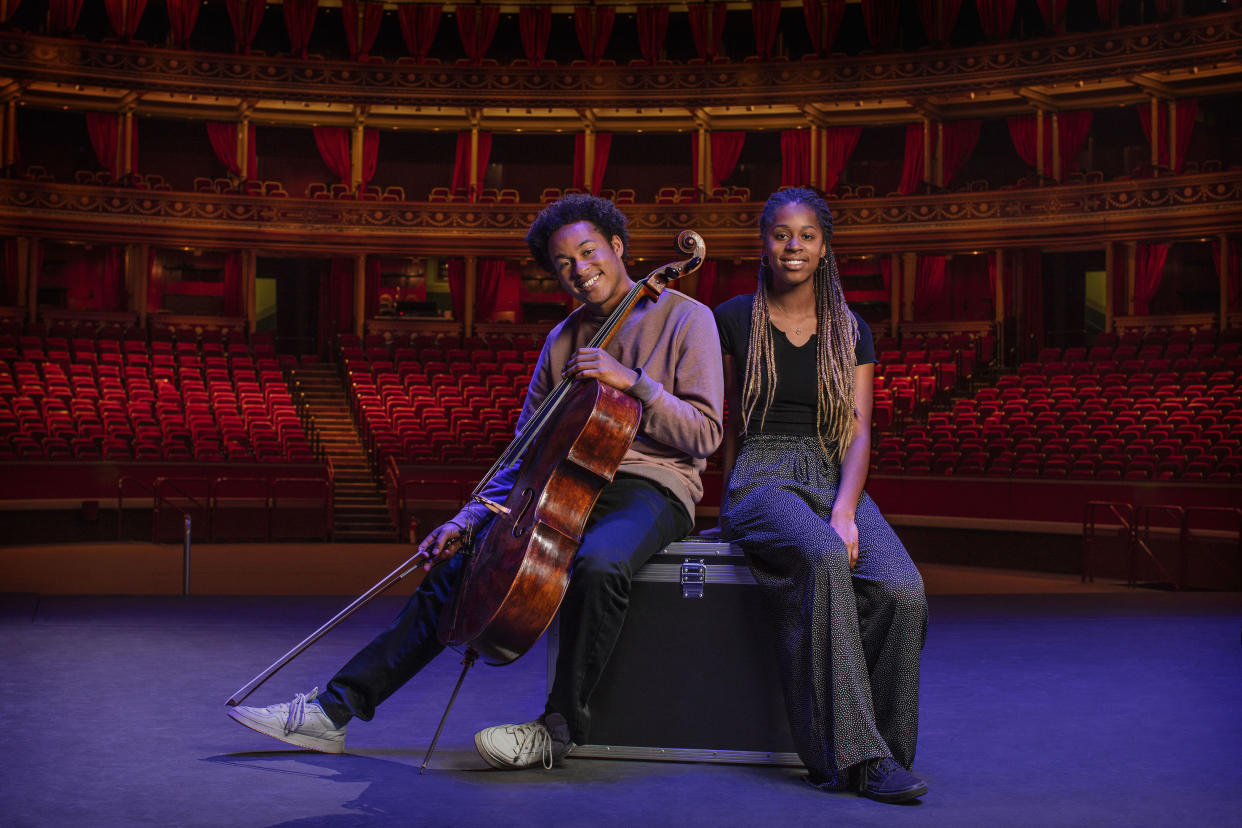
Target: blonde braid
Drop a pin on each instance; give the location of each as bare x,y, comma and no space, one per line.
759,353
834,361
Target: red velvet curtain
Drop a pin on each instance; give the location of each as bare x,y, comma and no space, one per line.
996,17
1109,12
706,290
839,143
969,287
418,27
823,21
245,17
7,8
603,144
960,138
223,138
1028,267
477,27
360,38
124,15
339,315
795,157
370,155
1185,115
939,17
931,297
881,18
461,161
299,22
1053,12
1073,128
491,274
62,16
726,149
232,288
593,25
765,17
182,15
103,128
1233,273
707,22
535,23
1148,272
336,150
333,144
652,29
455,270
912,169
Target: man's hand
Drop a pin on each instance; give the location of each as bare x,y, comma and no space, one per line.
598,364
441,543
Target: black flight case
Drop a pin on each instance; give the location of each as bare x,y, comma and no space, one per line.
694,673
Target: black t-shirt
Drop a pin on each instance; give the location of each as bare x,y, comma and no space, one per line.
793,404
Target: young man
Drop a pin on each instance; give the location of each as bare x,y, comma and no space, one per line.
667,356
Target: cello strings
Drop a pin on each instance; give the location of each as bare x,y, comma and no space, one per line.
553,401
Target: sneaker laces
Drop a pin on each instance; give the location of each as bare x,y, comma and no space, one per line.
297,710
535,737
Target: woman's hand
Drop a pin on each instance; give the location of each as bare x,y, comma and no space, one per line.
598,364
847,529
441,543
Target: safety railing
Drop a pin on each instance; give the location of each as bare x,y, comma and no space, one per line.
1095,533
1179,546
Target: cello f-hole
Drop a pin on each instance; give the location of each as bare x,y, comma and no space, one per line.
519,518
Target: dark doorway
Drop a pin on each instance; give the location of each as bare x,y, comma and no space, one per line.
288,293
1067,317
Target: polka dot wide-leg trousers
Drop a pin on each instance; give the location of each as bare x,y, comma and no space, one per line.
849,641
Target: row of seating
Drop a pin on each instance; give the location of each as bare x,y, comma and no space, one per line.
236,409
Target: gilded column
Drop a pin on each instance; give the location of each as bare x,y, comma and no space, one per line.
472,276
360,293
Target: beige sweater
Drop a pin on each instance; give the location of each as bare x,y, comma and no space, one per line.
674,346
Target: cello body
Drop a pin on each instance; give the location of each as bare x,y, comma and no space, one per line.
519,571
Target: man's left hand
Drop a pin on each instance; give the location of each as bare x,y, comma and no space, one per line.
598,364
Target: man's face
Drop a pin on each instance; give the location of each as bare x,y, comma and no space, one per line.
589,266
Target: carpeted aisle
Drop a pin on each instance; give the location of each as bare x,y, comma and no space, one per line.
1078,708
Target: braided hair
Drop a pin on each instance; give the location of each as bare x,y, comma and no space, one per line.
835,327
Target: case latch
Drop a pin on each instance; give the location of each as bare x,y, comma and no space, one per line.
693,577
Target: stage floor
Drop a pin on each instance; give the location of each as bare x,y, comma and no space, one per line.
1044,702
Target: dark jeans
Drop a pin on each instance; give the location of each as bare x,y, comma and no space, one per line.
632,520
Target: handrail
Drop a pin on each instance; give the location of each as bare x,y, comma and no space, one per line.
1140,541
1123,512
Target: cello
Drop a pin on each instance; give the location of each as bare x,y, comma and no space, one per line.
517,572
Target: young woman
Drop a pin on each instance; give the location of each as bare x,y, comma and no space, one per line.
845,597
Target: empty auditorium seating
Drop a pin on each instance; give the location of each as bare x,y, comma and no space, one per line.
121,397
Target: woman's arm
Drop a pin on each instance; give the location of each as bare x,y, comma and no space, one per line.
855,464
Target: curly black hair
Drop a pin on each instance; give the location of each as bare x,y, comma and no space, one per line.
796,195
571,209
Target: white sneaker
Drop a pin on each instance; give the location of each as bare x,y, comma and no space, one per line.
300,722
544,741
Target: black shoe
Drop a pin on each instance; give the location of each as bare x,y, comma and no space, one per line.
886,781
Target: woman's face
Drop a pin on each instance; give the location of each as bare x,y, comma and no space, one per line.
793,244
